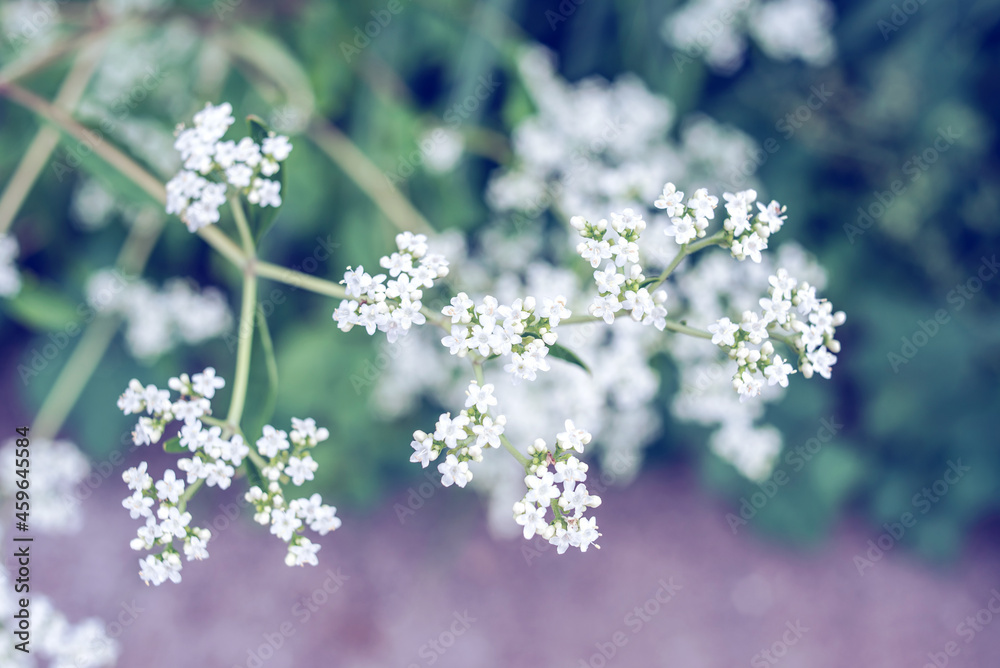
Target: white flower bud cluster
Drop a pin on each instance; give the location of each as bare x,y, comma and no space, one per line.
520,333
10,279
547,470
245,166
391,306
288,461
157,320
792,313
621,284
461,438
747,233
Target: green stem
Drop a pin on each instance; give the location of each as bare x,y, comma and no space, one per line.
272,366
241,224
521,459
189,491
299,280
242,376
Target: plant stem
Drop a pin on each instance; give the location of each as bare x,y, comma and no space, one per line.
244,228
242,375
299,280
521,459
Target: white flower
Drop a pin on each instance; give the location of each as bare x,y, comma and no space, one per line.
271,441
449,430
570,471
170,488
777,372
586,534
480,397
489,431
454,472
747,385
305,432
173,522
195,548
278,147
531,517
671,200
423,449
137,479
302,553
754,326
300,470
724,332
577,499
284,523
138,505
206,382
573,438
541,488
457,341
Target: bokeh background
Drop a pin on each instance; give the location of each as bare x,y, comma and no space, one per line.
903,76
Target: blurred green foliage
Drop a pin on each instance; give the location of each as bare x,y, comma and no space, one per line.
890,95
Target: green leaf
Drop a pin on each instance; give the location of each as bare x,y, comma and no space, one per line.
174,446
649,281
41,308
262,218
254,476
567,355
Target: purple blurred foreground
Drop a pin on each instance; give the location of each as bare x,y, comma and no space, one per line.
438,590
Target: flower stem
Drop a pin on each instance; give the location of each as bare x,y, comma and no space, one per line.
242,375
241,224
521,459
299,280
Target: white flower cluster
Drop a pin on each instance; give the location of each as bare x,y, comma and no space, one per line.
157,320
462,438
747,231
288,461
784,30
214,462
621,284
10,279
57,468
214,456
792,313
245,166
547,470
520,333
391,306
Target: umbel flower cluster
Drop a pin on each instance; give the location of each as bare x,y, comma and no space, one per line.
214,458
520,333
391,306
621,285
213,168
